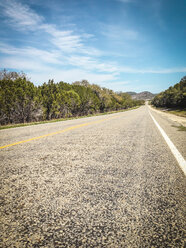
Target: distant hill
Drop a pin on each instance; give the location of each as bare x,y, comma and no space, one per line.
145,95
131,93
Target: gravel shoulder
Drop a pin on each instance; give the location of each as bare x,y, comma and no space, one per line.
169,123
178,120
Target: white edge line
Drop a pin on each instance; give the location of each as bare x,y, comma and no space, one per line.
174,150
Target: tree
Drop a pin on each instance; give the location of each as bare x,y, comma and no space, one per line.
21,101
173,97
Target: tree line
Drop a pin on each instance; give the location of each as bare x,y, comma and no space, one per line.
21,101
173,97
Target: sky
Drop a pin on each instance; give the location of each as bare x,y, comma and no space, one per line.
123,45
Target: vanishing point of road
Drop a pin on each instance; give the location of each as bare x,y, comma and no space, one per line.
104,181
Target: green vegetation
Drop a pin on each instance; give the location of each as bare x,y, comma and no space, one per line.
23,102
173,97
62,119
180,128
179,112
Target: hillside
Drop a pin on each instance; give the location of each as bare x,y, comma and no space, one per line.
145,95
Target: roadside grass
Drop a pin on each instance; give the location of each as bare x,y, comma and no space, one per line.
180,128
179,112
63,119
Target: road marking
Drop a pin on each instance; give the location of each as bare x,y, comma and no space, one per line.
58,132
174,150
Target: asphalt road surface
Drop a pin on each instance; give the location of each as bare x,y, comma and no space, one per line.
105,181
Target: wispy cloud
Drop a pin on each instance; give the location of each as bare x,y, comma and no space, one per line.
119,33
31,52
166,71
68,47
154,9
66,40
90,63
23,64
37,59
73,75
56,58
152,71
125,1
65,53
20,16
39,71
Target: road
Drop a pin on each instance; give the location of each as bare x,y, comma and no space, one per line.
104,181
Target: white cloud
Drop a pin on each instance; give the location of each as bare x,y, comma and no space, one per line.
66,41
68,48
20,15
71,76
90,63
23,64
70,54
31,53
54,58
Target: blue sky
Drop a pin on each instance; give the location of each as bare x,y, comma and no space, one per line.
124,45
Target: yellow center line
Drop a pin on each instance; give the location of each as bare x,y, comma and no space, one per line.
58,132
